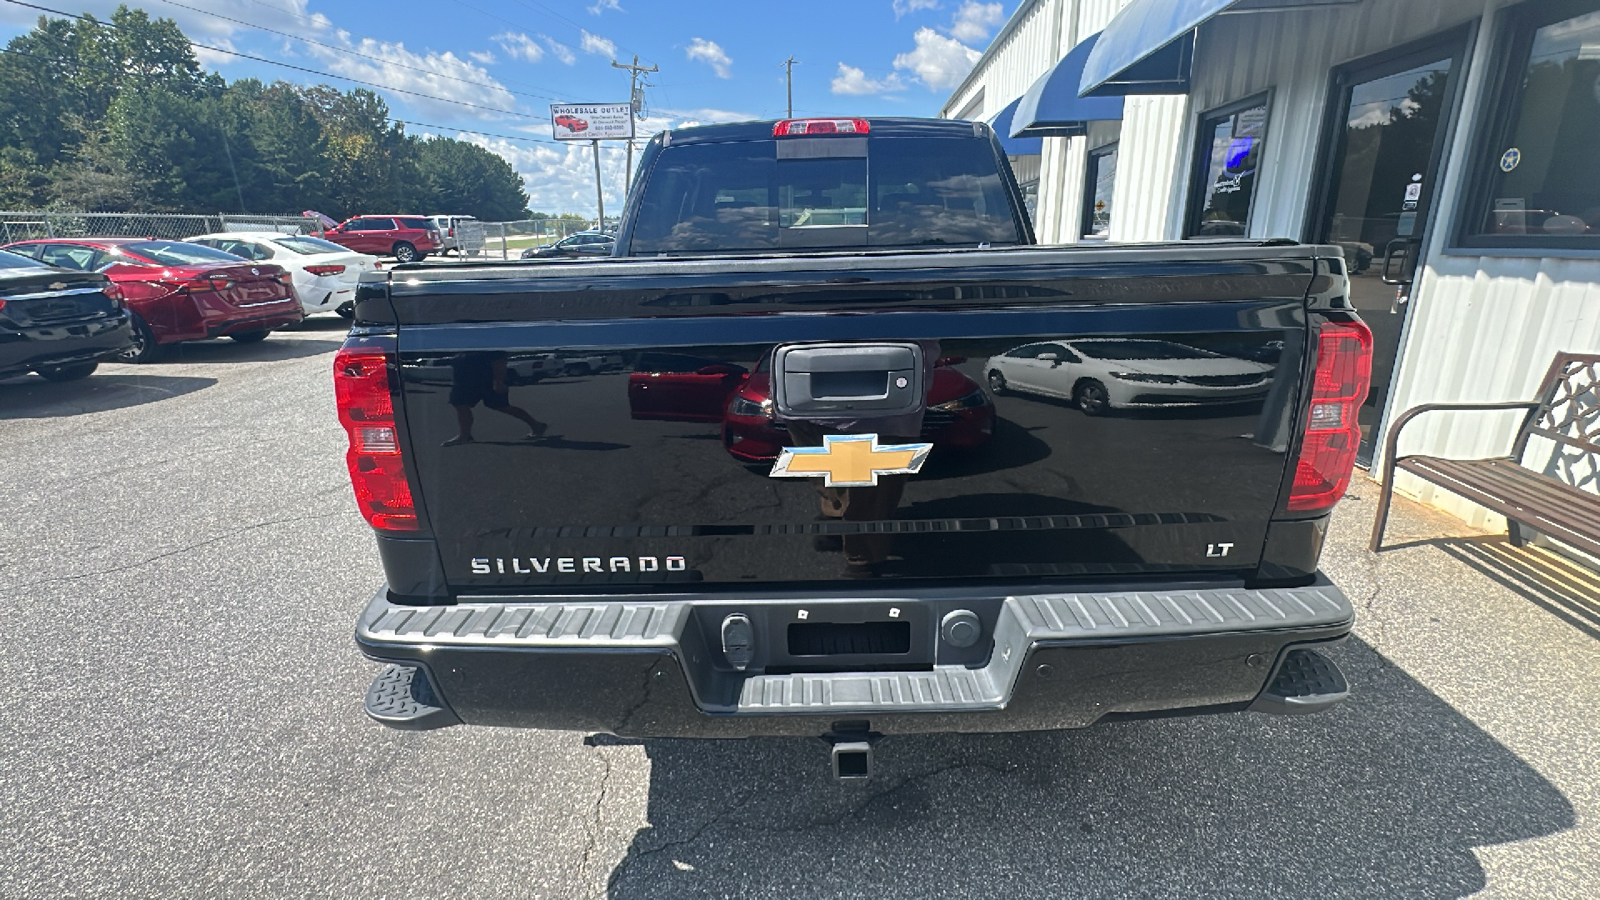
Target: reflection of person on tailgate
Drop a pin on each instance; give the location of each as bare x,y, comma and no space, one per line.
863,551
480,377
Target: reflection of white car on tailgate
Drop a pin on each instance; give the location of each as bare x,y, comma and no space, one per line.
325,274
1104,373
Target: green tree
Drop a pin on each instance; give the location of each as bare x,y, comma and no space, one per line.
465,178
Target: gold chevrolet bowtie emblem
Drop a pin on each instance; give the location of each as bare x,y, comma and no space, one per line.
850,460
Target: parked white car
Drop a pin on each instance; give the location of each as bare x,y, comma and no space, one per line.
1099,374
325,274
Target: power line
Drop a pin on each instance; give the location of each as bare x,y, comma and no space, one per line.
321,22
309,71
347,50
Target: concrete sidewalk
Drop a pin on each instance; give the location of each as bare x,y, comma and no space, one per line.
1510,638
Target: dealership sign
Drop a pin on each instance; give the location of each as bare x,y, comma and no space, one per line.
591,121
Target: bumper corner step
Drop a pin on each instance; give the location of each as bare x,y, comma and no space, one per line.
1306,682
402,697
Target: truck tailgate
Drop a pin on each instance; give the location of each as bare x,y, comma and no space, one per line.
1090,413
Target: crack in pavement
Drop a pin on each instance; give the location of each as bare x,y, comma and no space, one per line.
597,823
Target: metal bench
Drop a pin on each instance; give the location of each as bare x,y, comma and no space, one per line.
1567,413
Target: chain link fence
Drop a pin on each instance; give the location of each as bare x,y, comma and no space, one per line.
30,225
507,240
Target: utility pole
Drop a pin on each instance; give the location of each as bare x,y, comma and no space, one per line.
634,71
788,77
599,193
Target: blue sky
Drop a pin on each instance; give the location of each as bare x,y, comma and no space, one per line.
720,61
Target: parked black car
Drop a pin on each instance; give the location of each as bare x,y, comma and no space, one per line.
580,243
57,322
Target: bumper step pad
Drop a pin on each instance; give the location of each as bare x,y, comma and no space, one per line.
1307,682
402,697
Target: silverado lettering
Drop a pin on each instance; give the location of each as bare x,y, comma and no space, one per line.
519,565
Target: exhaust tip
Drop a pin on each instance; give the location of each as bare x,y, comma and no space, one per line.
852,761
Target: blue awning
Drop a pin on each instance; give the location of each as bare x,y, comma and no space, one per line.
1052,107
1001,123
1147,48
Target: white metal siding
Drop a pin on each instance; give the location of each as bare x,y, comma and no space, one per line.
1485,329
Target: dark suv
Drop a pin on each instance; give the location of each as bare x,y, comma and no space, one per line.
406,238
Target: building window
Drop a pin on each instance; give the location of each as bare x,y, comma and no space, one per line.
1030,199
1102,181
1538,172
1229,150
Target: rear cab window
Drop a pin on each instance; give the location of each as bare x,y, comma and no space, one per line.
825,192
309,246
10,260
174,253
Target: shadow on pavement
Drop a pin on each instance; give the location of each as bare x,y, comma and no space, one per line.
34,398
1560,587
224,350
319,323
1385,796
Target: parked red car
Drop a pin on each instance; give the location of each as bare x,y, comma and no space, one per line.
671,388
572,123
179,291
960,416
406,238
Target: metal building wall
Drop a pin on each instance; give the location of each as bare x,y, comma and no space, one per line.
1485,327
1291,54
1023,50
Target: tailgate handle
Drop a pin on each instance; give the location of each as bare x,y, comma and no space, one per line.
864,380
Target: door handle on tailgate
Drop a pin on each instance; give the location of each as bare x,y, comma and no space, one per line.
865,380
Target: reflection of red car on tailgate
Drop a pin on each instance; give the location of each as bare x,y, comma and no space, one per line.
572,123
686,389
179,291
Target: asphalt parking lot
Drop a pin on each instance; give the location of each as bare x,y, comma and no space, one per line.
181,564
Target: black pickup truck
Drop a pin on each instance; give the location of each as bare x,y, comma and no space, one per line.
870,460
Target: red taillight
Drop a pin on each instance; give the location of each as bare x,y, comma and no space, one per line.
792,127
284,277
366,410
1332,435
113,292
202,283
324,270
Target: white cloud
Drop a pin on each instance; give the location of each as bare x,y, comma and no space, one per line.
683,118
600,6
200,28
854,82
562,51
519,46
905,7
937,61
482,57
436,74
599,46
974,21
712,55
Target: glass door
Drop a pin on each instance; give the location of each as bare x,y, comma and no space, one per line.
1391,116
